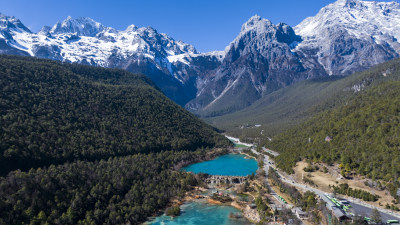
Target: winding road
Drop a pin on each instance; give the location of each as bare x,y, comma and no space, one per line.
359,207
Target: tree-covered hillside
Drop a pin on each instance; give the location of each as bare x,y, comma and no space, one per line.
365,135
293,105
120,190
51,113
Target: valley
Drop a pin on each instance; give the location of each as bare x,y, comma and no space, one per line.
263,58
123,124
293,105
276,198
77,146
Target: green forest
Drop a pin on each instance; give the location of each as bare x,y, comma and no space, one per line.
88,145
52,113
115,191
293,105
365,136
344,189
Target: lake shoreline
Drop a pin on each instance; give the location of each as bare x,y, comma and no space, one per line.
233,164
197,192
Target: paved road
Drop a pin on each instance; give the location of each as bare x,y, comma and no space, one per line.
359,208
267,164
365,211
270,151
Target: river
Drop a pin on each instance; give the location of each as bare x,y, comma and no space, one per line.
199,212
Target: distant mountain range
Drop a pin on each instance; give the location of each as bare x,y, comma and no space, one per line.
344,37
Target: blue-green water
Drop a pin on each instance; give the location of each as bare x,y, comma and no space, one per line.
226,165
200,213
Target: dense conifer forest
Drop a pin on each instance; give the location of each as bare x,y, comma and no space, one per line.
293,105
51,113
88,145
119,190
365,136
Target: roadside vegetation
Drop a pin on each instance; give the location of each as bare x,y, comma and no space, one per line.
308,201
365,137
344,189
293,105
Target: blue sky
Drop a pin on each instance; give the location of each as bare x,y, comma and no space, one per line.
206,24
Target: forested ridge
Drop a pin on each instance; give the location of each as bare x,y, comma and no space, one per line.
88,145
51,113
288,107
120,190
365,136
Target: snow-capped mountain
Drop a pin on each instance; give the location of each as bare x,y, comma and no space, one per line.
344,37
351,35
83,40
8,27
259,61
81,26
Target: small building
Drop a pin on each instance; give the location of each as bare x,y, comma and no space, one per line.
339,214
328,138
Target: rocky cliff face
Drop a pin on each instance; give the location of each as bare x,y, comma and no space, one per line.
351,35
344,37
259,61
85,41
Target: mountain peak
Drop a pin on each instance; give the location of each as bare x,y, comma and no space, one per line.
256,22
84,26
348,3
12,23
254,18
131,27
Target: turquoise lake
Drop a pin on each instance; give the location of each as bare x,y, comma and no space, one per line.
226,165
200,213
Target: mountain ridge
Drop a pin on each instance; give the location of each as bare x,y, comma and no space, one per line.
261,59
53,112
292,105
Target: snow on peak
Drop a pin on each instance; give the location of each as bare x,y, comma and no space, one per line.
257,32
369,22
131,28
361,19
10,23
347,2
45,31
256,23
83,26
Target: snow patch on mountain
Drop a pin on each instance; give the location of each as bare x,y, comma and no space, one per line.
363,19
81,26
351,29
84,40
